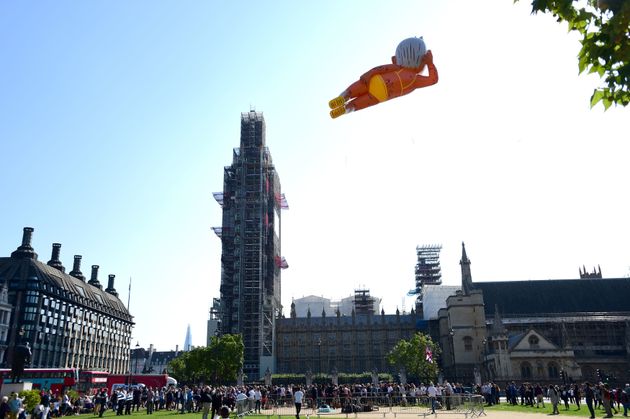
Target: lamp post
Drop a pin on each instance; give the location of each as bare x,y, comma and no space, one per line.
319,355
451,333
484,369
135,369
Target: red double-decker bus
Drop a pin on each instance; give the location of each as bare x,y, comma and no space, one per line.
91,381
56,379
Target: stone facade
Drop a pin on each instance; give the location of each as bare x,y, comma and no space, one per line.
551,330
349,344
69,322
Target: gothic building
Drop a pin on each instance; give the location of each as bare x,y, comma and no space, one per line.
546,330
67,321
357,343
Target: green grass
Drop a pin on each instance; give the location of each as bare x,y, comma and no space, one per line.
583,412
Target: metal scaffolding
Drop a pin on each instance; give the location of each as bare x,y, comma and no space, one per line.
428,270
250,276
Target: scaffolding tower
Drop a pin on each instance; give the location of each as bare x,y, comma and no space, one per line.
428,270
363,302
250,234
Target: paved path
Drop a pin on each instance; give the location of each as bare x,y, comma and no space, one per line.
489,415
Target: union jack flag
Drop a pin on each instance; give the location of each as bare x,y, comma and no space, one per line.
428,355
281,262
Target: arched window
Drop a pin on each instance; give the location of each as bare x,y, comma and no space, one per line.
552,370
533,341
468,343
526,370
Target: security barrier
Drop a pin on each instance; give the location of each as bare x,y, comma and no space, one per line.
466,405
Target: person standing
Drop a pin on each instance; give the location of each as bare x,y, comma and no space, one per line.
257,400
4,407
538,392
150,402
206,402
577,395
607,400
45,402
554,398
432,393
217,402
15,404
298,395
589,396
625,399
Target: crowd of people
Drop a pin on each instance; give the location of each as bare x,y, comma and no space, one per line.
350,398
593,396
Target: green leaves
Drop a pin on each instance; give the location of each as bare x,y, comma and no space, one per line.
605,27
217,363
411,354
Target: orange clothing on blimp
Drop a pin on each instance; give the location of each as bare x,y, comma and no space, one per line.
390,81
387,82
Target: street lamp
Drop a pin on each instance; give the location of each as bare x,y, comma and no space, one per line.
451,333
484,367
319,355
135,369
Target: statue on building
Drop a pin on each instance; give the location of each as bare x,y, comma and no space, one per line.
375,381
21,358
309,377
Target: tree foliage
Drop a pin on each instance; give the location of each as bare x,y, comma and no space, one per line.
411,354
605,29
219,362
30,399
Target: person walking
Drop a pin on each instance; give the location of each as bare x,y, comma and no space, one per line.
101,402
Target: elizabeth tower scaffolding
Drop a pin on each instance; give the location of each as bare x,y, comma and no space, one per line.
251,261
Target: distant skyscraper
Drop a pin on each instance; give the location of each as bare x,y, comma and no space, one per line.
188,340
251,260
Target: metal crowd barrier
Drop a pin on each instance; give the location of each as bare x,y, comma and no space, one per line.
468,405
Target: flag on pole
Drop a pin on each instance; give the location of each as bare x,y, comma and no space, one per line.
428,355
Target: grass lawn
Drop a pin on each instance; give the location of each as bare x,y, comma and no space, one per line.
583,412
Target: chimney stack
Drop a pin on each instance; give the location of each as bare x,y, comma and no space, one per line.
26,250
110,285
94,277
76,268
54,258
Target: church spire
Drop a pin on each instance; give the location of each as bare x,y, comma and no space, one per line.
466,275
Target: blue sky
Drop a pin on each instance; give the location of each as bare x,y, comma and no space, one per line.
116,119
